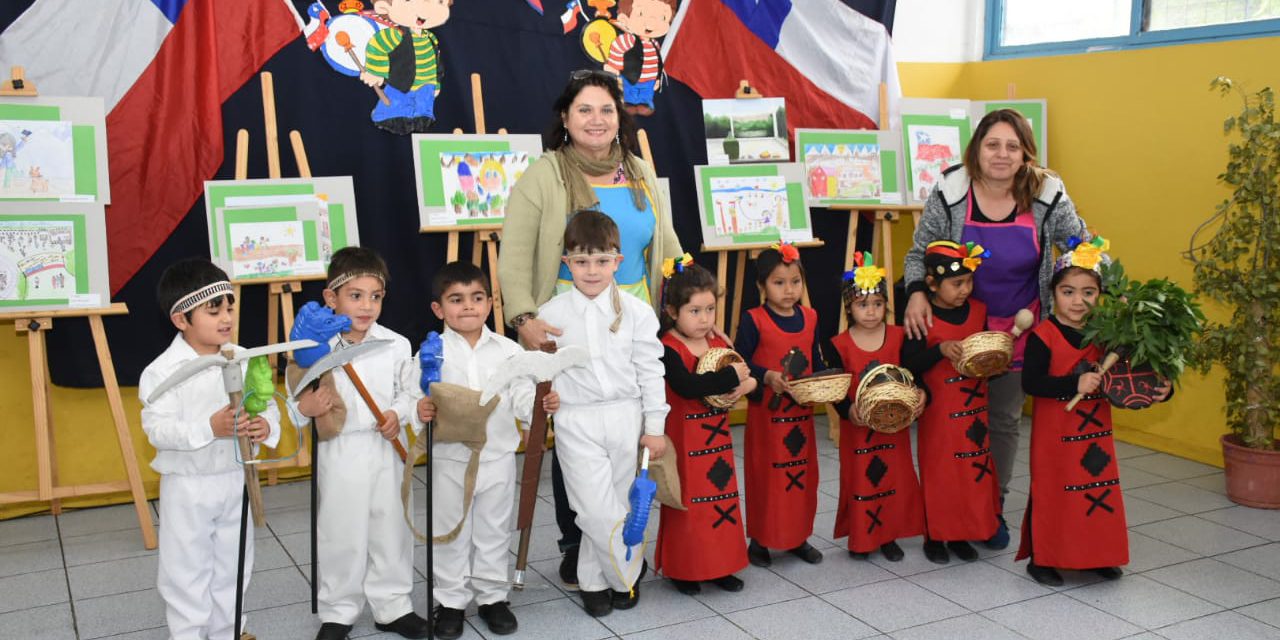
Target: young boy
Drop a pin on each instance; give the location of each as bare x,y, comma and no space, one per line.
606,406
473,354
193,428
365,551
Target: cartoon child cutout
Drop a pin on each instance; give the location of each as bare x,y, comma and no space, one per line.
634,53
405,61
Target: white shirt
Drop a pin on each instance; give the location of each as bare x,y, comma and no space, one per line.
471,367
386,374
624,365
177,423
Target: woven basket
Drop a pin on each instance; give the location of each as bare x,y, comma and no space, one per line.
716,359
821,389
985,354
888,400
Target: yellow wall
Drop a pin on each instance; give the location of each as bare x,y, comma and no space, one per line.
1137,136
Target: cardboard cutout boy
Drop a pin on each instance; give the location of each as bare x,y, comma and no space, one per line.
405,61
634,53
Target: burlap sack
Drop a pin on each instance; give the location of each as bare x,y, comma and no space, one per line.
329,425
462,419
664,472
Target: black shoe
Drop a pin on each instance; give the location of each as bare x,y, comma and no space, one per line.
807,553
333,631
409,625
859,555
729,583
963,550
1001,538
758,555
597,603
1044,575
1109,573
892,552
687,587
623,600
498,617
936,552
447,622
569,569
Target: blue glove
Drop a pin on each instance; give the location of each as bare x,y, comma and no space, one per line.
430,358
316,322
641,498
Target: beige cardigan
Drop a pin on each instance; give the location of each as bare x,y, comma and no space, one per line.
533,237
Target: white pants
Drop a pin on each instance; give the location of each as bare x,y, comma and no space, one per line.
597,446
199,546
482,546
365,549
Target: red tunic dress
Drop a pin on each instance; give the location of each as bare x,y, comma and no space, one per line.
957,472
705,542
1075,515
879,492
780,453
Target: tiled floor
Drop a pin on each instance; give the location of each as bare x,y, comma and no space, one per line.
1201,567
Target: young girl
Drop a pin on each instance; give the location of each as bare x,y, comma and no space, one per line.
1078,517
879,492
781,455
705,542
961,493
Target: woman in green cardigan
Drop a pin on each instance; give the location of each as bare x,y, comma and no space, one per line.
588,165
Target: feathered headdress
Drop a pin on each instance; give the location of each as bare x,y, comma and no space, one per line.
866,279
944,258
1089,255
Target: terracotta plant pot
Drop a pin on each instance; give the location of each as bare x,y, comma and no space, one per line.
1253,475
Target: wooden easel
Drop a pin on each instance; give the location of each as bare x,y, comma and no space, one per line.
486,236
279,290
18,85
35,324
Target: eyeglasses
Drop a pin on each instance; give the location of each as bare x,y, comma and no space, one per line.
583,74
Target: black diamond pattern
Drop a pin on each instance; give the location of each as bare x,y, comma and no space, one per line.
1095,460
876,471
720,473
977,433
794,441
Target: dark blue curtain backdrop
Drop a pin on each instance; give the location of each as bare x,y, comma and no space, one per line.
524,60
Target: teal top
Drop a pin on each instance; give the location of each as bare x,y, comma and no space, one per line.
635,227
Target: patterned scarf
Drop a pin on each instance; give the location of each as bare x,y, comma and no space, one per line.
575,167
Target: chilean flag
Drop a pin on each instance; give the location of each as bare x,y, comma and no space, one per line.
826,59
163,67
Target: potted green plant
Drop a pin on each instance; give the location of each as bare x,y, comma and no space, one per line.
1238,267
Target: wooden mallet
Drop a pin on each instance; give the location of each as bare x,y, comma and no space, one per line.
344,40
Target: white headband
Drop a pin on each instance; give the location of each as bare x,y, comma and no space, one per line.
352,275
201,296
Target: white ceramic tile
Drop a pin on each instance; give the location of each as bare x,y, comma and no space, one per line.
1213,482
1059,617
276,587
1138,511
1172,467
657,596
810,618
970,626
1268,612
82,522
41,555
1227,624
112,577
31,590
978,586
1259,522
760,587
46,623
893,605
707,629
28,529
1264,560
1217,582
101,547
1180,496
1124,450
1198,535
912,562
1146,553
122,613
1143,601
837,571
1071,579
1131,479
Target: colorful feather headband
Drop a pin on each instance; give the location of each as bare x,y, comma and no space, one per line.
866,279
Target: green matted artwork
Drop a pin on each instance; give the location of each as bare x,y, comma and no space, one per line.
752,203
53,149
279,228
466,179
935,134
850,167
53,255
1035,110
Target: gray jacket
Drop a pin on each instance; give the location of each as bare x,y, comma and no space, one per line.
1056,220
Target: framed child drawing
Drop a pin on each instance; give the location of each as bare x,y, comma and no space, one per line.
852,167
466,180
749,204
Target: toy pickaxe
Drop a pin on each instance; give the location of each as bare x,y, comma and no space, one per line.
793,365
542,368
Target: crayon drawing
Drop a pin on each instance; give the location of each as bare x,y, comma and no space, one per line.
477,185
933,149
37,159
36,259
269,250
749,204
843,171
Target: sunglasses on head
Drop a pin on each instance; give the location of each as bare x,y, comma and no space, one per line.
583,74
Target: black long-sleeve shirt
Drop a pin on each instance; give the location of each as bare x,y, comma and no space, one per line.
834,361
917,356
688,384
1036,380
748,340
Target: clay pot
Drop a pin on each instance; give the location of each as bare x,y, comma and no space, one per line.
1253,475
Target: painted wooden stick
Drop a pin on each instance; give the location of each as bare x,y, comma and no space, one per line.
1108,362
373,406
